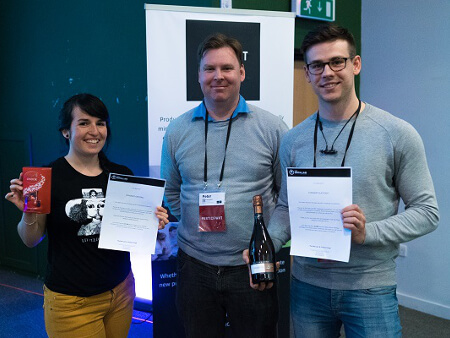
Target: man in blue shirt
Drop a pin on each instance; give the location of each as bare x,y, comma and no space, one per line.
224,151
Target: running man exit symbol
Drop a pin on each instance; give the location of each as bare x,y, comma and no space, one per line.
308,6
315,9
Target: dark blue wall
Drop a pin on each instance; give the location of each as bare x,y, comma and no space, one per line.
51,50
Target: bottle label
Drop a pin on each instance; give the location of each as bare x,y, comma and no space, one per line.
262,267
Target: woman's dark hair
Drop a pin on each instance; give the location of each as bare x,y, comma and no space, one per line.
92,106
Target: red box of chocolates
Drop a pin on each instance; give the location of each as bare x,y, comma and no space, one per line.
37,189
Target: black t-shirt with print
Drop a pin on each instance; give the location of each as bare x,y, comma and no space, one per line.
76,266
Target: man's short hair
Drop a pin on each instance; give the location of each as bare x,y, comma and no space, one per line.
327,33
219,40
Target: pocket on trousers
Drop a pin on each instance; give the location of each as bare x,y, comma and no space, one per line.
181,262
385,290
55,301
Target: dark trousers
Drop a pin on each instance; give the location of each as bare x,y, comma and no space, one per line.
207,294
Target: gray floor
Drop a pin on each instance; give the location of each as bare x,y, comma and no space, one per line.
21,313
417,324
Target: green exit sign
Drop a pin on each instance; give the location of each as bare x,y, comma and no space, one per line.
315,9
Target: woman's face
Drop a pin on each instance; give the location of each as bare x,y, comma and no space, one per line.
87,134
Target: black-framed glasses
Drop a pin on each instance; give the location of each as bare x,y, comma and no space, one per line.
335,64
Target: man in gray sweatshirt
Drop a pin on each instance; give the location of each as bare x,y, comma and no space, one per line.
388,162
215,158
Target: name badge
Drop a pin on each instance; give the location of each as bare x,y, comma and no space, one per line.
211,212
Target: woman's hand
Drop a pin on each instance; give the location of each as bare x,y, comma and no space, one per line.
31,227
163,217
15,196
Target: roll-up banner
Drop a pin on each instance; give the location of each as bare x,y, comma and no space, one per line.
173,34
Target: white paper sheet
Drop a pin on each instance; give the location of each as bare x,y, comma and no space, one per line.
316,197
129,222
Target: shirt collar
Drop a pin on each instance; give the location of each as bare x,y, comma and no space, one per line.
200,110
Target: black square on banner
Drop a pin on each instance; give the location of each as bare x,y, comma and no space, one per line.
248,34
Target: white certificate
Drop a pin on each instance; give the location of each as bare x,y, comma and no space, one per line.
129,222
316,197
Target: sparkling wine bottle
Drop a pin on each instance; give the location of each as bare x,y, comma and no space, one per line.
261,249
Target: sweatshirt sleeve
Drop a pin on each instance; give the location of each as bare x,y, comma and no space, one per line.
279,226
277,172
415,187
170,172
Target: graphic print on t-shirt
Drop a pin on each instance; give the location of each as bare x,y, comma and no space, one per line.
88,211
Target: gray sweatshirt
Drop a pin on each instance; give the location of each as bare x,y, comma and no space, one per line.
388,162
252,167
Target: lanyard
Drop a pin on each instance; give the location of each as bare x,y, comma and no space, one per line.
350,136
205,172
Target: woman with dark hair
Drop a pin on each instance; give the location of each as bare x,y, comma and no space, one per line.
88,292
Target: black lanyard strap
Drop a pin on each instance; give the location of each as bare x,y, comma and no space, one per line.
205,170
350,136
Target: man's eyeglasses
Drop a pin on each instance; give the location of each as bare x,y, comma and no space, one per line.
336,64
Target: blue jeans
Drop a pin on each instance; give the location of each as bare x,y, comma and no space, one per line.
319,313
207,294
